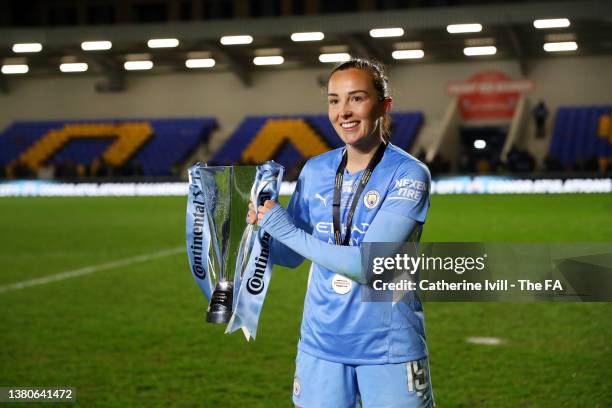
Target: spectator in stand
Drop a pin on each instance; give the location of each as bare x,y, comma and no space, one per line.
552,165
137,169
66,169
46,172
520,161
497,165
101,168
465,164
125,170
80,170
439,165
94,167
22,171
603,165
540,114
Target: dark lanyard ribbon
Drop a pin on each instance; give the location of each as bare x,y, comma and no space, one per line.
356,197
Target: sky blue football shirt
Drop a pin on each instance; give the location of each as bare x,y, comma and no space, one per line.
337,325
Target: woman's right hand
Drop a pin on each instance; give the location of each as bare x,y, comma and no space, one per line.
251,215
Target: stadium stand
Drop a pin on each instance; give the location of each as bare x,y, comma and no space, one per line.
173,141
154,146
290,140
80,151
581,136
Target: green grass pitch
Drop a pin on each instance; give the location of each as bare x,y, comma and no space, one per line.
133,334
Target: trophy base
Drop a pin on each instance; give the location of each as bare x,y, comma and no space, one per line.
220,308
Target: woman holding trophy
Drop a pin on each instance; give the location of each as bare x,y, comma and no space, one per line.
351,351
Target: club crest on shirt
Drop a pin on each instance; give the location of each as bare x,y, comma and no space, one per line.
371,198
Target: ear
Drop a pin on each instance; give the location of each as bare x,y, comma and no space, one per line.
386,105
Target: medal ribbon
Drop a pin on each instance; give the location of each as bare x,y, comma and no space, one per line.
363,181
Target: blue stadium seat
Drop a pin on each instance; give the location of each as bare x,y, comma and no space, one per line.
405,130
591,131
567,137
171,142
81,151
556,142
575,134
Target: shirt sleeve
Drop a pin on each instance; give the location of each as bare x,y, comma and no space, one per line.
345,260
408,194
298,211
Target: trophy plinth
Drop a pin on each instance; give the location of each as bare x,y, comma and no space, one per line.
220,309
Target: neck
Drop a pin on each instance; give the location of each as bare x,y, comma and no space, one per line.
358,157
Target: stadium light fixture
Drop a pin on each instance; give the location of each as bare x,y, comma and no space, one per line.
236,39
96,45
163,43
311,36
464,28
138,65
475,51
560,46
268,60
480,144
551,23
27,47
386,32
200,63
407,54
335,57
12,69
73,67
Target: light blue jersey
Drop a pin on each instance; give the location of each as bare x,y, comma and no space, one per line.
337,326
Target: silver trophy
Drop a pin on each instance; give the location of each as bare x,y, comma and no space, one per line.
219,241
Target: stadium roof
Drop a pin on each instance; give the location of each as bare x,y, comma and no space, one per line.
507,27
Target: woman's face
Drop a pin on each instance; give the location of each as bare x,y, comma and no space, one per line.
354,107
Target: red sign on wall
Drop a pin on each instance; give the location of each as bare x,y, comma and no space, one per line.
489,95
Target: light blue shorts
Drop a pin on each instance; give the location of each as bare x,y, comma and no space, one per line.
321,384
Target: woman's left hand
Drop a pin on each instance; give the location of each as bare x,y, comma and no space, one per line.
263,209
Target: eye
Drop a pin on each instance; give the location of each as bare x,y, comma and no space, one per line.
332,101
357,98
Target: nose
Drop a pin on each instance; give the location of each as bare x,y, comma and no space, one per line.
346,111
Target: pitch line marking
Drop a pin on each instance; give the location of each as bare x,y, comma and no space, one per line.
488,341
90,269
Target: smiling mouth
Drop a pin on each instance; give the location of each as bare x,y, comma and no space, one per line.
349,125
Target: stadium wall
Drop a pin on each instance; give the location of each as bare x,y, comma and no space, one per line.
416,87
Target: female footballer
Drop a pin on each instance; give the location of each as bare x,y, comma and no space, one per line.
367,191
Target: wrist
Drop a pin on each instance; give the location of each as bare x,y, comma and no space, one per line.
269,214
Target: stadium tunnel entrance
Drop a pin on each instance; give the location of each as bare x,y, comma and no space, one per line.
481,147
